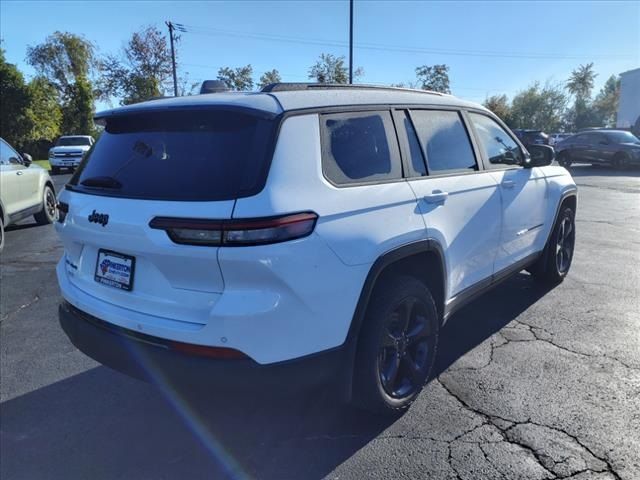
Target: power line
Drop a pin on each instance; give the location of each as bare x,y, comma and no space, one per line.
257,72
394,48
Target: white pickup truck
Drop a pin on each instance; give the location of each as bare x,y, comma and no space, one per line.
69,151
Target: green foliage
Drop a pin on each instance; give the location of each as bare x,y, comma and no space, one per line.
539,108
499,104
77,112
44,113
434,78
62,59
272,76
14,98
239,79
581,81
606,102
142,71
44,116
66,61
580,85
329,69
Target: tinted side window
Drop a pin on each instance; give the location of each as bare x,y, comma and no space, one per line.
582,139
444,140
359,147
498,146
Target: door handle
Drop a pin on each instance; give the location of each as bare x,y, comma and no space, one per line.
19,172
437,196
508,184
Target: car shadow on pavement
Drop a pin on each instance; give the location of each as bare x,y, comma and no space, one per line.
22,226
101,424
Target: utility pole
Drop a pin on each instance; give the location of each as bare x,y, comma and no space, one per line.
350,41
173,59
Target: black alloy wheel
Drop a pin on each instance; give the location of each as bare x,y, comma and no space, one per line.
396,347
565,242
404,349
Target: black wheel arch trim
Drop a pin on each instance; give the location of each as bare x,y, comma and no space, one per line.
571,192
382,262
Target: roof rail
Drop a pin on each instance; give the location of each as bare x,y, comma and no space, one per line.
296,86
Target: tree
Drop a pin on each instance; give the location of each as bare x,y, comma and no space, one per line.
434,78
15,97
239,79
67,61
581,81
62,59
76,116
142,71
606,102
580,85
499,104
272,76
539,108
329,69
44,113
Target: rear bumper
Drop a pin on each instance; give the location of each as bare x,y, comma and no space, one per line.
151,359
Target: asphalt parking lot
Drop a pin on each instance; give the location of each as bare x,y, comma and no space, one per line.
529,384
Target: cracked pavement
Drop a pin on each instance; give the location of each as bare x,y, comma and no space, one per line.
529,384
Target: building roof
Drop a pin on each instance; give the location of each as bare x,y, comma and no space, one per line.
635,70
278,101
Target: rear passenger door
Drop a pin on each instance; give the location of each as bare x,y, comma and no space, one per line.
459,202
523,192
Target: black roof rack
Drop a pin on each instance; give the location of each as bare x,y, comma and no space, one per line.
297,86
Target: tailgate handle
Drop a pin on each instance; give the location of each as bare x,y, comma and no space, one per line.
437,196
19,172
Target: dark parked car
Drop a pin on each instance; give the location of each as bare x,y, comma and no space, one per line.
609,147
532,137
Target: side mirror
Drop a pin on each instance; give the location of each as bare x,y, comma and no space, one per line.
26,159
539,156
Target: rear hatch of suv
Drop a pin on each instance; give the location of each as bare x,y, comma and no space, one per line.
176,164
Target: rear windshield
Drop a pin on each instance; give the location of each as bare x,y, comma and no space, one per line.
178,155
72,141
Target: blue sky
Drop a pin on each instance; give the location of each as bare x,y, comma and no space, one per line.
491,47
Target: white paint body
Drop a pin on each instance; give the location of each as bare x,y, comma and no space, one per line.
287,300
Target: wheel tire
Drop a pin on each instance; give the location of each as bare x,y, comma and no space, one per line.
1,233
555,262
564,160
619,161
388,344
49,207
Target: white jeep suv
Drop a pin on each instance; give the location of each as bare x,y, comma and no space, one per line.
25,190
298,235
69,151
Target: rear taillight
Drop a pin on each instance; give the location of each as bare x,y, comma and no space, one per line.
241,232
63,209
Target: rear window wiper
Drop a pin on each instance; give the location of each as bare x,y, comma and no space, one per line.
102,182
